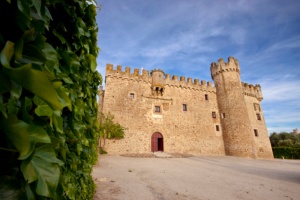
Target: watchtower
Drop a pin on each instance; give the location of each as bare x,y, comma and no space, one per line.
158,82
236,125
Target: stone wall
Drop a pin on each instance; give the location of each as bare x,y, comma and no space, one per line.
189,116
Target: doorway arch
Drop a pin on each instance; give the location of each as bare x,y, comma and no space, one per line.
157,142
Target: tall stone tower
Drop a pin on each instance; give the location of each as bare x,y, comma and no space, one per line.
236,126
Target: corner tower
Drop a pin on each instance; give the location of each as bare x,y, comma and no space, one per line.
236,125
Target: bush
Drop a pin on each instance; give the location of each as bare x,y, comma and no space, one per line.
48,108
286,152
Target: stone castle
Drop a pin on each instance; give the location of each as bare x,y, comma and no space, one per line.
185,116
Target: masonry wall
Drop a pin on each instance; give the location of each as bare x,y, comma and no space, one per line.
132,97
192,131
261,138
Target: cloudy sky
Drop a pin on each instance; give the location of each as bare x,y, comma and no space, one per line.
183,37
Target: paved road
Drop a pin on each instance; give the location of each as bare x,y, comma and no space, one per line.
203,177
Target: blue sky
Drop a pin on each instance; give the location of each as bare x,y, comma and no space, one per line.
183,37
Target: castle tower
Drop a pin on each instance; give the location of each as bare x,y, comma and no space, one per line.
237,131
158,82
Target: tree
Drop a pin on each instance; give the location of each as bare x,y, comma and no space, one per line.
285,139
108,129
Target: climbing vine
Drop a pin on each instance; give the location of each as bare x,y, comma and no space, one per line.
48,108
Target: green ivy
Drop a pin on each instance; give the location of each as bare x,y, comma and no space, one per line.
48,108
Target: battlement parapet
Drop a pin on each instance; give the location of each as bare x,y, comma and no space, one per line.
252,90
110,71
188,83
221,67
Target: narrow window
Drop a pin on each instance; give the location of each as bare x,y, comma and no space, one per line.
255,132
157,109
223,115
184,107
131,95
217,128
206,96
214,114
256,107
258,116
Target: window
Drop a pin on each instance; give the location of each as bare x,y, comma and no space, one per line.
214,114
131,95
206,96
258,116
223,115
256,107
217,128
184,107
255,132
157,109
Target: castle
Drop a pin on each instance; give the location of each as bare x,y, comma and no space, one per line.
185,116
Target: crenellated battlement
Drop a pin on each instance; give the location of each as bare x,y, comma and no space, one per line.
221,66
252,90
182,82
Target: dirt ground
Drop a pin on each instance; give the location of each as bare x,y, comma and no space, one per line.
205,177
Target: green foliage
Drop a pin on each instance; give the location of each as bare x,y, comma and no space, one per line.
48,108
108,129
284,139
286,152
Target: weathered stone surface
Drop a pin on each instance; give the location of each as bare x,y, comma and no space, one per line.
194,118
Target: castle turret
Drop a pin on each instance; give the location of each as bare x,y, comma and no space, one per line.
158,82
237,131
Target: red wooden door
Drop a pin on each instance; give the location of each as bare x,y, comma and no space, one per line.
157,142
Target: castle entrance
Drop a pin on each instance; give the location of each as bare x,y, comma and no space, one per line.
157,142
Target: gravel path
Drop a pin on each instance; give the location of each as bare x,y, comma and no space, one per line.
205,177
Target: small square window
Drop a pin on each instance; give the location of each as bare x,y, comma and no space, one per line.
258,116
223,115
214,115
131,95
255,132
206,96
157,109
217,128
184,107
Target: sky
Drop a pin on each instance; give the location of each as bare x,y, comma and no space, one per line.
183,37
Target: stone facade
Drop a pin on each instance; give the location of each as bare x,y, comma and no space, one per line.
185,116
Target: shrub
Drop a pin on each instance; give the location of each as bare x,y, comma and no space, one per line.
286,152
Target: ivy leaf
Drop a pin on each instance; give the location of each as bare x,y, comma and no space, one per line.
57,121
24,7
93,63
12,107
16,131
7,53
37,4
43,167
42,107
38,134
16,90
33,80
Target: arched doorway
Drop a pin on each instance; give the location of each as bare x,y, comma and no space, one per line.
157,142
